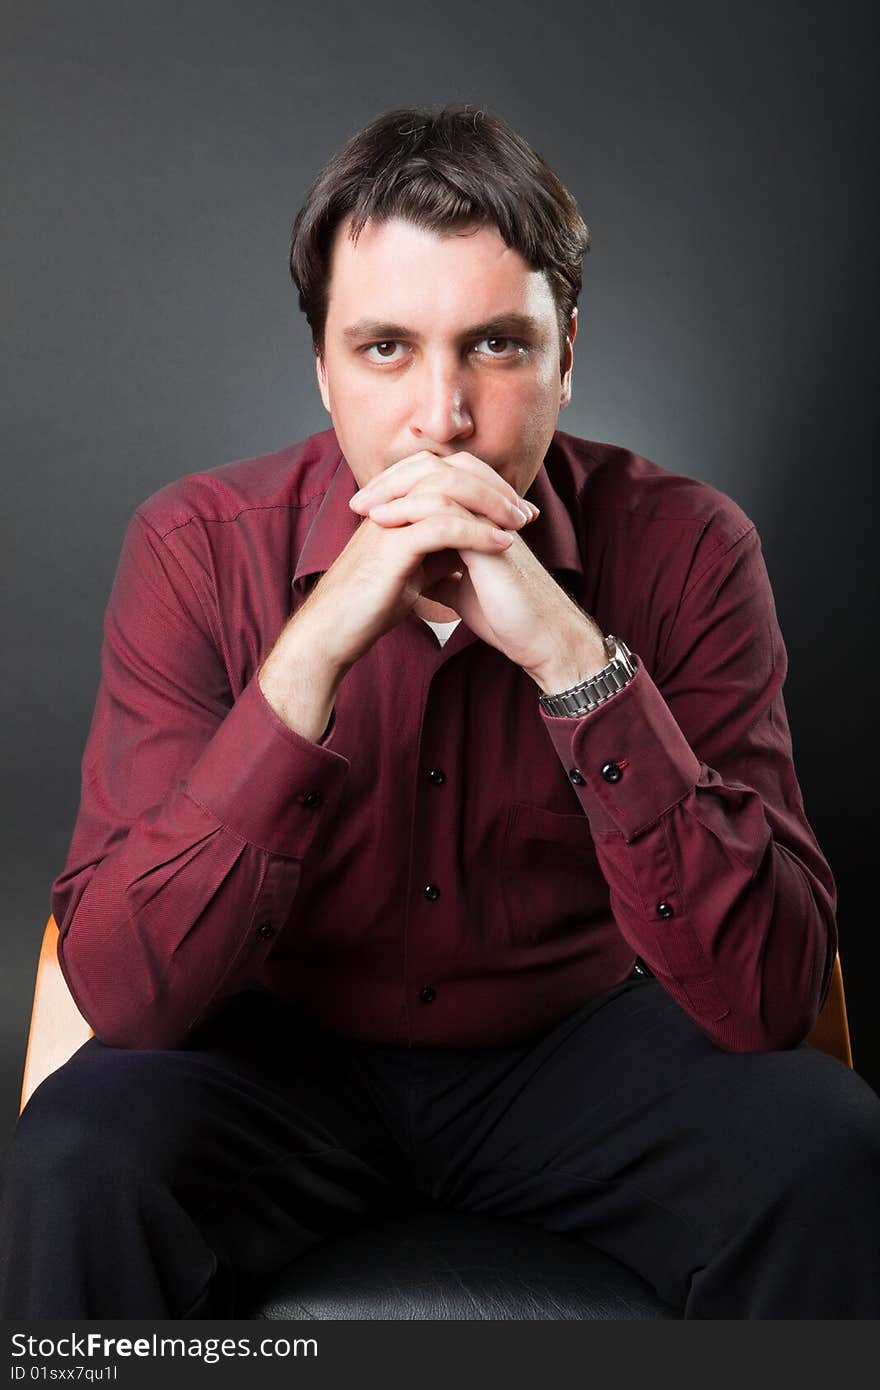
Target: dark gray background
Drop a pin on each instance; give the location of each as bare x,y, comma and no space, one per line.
155,155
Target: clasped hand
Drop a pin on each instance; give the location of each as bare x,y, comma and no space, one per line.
508,599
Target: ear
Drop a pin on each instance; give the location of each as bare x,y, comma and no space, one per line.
323,386
565,385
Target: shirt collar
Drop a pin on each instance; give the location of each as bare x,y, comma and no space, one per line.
551,537
333,525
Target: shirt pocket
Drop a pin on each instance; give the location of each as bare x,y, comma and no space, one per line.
551,880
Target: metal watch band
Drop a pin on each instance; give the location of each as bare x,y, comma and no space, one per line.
592,693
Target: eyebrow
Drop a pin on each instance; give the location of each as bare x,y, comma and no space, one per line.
502,326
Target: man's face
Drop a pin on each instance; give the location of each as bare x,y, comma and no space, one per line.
447,343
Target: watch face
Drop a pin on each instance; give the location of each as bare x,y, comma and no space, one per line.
619,650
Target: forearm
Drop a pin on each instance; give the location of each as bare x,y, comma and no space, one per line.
577,658
718,886
299,680
147,947
162,916
738,928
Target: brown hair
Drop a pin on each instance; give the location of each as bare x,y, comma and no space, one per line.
440,170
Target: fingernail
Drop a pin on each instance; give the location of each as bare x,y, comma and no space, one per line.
504,537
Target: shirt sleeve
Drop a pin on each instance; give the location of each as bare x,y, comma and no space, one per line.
716,879
195,816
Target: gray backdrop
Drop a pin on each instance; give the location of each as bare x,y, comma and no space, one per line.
155,156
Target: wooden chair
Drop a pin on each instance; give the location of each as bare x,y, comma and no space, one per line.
430,1264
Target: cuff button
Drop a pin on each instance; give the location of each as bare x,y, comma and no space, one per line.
611,772
664,909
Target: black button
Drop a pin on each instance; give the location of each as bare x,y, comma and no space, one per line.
312,799
639,969
431,892
611,772
664,909
427,994
437,776
265,929
577,777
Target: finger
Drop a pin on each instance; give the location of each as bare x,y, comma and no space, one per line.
450,531
396,479
479,497
418,505
466,465
483,500
400,477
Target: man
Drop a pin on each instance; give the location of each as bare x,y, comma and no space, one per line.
354,914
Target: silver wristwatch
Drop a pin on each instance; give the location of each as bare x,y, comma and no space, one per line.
587,696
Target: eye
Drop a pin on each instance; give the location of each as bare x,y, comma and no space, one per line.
381,352
505,348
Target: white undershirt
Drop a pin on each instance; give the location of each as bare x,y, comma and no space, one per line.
443,631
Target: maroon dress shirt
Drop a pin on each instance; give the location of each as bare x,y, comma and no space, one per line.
448,865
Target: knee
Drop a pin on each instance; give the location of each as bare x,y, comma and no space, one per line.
819,1128
87,1120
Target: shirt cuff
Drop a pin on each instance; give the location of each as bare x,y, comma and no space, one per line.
264,781
628,760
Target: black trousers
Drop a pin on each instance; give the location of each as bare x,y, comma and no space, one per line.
171,1184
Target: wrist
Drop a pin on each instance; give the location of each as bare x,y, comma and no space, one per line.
307,642
577,659
300,683
588,694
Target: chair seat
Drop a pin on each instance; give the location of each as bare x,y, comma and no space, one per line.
438,1264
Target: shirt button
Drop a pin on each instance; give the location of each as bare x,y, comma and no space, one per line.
431,892
312,799
265,929
577,777
437,776
664,909
427,994
611,772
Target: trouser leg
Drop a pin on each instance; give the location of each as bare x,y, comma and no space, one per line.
169,1184
739,1185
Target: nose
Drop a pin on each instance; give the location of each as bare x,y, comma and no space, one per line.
441,412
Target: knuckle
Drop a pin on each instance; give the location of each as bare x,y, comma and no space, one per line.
426,504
